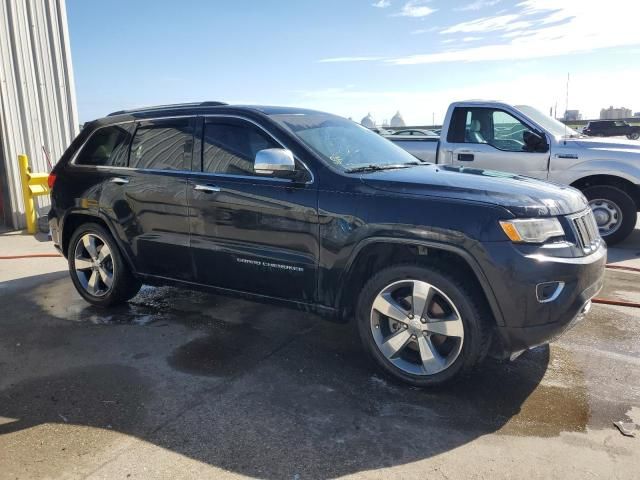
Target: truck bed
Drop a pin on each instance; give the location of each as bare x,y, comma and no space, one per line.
425,148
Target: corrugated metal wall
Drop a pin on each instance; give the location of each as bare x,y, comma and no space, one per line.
37,92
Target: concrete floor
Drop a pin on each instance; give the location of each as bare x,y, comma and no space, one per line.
182,384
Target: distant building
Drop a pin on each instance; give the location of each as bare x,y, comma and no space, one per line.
614,113
572,115
397,120
637,114
368,121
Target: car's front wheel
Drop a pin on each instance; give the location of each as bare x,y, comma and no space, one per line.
420,325
97,268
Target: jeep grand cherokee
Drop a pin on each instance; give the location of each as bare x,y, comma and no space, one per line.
438,265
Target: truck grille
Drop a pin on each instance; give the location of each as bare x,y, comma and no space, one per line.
586,230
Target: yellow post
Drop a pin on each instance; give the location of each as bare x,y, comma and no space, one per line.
29,204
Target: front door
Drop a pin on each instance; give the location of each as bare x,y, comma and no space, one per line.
251,232
492,139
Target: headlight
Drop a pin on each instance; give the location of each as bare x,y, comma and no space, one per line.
532,230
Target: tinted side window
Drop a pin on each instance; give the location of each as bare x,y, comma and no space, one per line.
229,146
108,146
162,145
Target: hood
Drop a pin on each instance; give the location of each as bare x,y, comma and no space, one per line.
523,196
612,145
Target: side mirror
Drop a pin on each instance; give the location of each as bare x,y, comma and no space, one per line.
534,142
274,160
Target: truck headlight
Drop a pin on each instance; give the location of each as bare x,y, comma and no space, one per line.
532,230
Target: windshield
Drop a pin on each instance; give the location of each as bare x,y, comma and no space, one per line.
343,143
551,125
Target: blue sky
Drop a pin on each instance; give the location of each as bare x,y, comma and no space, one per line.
352,57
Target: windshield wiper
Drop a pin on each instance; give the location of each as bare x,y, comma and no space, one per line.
376,168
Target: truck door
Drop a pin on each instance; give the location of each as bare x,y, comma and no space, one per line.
493,139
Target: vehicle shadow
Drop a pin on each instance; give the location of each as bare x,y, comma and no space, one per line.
256,390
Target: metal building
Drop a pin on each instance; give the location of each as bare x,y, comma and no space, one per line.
38,113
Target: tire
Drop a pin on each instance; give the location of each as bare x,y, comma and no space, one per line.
447,356
100,275
607,202
634,136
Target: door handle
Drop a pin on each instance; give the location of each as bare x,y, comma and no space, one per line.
206,188
465,157
119,180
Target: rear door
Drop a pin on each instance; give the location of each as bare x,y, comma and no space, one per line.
147,200
609,129
251,232
492,139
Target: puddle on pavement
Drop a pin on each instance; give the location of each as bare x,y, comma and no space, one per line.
543,393
152,306
558,404
537,395
607,324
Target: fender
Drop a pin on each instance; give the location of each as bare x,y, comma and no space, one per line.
593,167
109,224
466,256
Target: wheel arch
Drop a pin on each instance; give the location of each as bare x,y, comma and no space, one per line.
610,180
375,253
74,219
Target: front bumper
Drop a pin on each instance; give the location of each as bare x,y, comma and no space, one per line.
528,321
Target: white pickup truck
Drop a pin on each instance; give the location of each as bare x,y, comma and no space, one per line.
523,140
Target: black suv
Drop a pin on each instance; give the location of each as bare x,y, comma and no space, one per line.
611,128
438,265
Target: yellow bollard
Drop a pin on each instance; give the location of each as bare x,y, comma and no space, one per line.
29,204
33,185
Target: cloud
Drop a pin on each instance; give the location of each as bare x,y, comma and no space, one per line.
349,59
489,24
381,4
542,28
477,5
420,31
531,29
415,9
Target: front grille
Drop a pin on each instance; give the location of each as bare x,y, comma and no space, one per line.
586,230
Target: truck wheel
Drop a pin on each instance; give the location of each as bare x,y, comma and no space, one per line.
420,325
97,268
634,136
614,210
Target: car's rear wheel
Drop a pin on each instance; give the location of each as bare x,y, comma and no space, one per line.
614,210
97,268
634,136
420,325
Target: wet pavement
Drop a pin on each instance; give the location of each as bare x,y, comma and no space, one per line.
182,384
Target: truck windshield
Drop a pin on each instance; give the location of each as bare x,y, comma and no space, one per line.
551,125
345,144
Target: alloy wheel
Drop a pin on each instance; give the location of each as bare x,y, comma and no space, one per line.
607,214
93,265
417,327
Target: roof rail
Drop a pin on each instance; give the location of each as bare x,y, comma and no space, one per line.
165,107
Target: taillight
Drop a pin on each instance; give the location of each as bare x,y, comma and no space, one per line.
51,180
